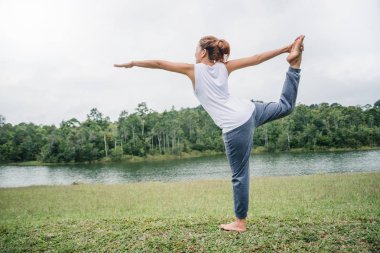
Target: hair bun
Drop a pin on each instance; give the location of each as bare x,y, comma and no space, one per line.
217,49
224,47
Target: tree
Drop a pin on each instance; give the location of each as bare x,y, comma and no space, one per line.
142,111
318,126
100,123
377,103
2,120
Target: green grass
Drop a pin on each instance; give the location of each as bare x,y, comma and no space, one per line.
319,213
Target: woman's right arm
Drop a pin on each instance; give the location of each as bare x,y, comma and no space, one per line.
178,67
256,59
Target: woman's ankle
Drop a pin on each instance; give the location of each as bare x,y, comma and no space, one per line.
241,220
295,66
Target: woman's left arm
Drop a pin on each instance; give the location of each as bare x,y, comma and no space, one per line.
178,67
255,59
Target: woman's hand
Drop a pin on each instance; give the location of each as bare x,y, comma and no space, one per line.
289,48
124,65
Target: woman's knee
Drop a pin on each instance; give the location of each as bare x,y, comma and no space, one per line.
287,108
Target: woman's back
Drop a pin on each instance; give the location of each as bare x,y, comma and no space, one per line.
211,89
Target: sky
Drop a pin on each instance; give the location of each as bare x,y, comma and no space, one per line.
57,56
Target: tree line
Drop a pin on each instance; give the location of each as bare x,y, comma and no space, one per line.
147,132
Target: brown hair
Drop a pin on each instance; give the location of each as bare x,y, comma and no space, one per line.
217,50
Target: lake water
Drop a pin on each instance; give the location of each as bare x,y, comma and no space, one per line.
212,167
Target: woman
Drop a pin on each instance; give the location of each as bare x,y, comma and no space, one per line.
236,117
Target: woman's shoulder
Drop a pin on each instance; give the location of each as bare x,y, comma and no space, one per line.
223,66
216,66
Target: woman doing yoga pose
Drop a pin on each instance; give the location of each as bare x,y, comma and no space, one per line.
237,117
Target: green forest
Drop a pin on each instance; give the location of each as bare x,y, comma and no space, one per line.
146,132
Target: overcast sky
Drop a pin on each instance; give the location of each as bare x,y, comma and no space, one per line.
56,57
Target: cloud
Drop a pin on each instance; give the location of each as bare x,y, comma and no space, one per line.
57,56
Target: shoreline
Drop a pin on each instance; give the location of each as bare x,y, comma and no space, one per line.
184,155
194,181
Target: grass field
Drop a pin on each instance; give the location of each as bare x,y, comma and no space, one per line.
319,213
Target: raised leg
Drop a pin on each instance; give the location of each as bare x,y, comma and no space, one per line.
266,112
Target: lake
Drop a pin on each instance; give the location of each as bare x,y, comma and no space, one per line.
211,167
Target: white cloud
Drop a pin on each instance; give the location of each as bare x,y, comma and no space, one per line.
56,56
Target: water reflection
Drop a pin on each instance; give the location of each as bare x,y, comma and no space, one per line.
214,167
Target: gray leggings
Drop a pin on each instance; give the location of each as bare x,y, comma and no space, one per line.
238,142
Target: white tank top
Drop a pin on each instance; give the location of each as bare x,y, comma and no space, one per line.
211,90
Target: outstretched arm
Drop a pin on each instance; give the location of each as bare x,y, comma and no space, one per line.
178,67
256,59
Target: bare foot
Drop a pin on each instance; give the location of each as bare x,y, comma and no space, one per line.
240,225
295,56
